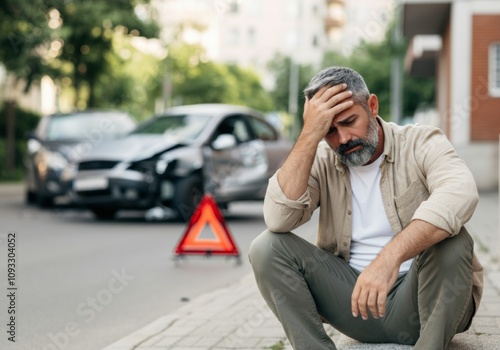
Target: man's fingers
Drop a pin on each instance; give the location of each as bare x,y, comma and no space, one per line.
333,96
367,300
362,301
326,92
381,300
358,302
354,300
373,304
342,107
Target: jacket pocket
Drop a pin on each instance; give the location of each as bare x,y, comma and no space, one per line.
409,201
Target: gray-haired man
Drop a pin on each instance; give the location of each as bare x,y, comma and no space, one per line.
392,260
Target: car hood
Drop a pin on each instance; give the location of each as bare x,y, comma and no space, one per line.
68,148
130,148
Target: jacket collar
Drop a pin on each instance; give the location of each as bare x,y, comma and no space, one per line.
388,141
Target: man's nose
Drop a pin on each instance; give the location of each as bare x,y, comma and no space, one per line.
344,137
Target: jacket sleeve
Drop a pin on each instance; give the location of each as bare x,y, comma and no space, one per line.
453,192
282,214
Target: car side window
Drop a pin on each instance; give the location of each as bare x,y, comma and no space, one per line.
262,130
241,131
234,125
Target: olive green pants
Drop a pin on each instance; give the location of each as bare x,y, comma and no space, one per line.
303,284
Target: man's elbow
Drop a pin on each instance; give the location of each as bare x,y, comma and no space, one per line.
473,193
276,226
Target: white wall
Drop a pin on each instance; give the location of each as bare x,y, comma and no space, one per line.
482,160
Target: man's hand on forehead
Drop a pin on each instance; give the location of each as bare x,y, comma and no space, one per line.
321,109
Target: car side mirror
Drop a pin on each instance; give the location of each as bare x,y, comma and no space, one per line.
33,142
223,142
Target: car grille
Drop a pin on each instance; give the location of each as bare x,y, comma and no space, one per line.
97,165
95,193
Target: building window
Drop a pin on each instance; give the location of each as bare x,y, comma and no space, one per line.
234,6
233,36
254,7
292,39
293,8
315,41
494,68
251,36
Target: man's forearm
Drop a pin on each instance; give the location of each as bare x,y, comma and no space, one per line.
294,173
414,239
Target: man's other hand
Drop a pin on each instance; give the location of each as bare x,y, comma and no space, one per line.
372,287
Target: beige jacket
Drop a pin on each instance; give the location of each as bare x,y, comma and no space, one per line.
422,178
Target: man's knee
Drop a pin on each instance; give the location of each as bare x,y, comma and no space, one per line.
263,248
451,252
260,246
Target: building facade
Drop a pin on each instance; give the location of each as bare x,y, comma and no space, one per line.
466,64
251,32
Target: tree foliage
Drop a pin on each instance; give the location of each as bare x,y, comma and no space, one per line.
196,79
280,66
68,40
132,81
86,34
24,37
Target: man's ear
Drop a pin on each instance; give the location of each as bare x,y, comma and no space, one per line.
373,105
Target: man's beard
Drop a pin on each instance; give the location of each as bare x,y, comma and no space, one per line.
368,146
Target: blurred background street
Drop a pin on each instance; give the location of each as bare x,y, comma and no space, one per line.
104,158
67,261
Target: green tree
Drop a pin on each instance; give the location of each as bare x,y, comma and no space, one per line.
132,82
250,90
24,37
25,121
68,40
85,40
196,79
280,67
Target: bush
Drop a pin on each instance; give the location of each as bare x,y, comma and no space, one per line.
25,122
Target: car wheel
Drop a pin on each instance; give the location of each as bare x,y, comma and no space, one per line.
188,194
44,201
30,197
104,214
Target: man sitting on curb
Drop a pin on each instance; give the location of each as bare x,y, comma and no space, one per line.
393,262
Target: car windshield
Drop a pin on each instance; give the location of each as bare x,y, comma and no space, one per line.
82,125
182,127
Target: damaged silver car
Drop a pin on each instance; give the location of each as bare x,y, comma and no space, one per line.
171,160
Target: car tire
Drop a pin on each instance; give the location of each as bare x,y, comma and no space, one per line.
187,196
104,214
44,201
30,197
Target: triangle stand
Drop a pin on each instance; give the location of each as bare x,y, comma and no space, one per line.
221,244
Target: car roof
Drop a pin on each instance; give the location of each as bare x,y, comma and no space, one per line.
210,109
87,112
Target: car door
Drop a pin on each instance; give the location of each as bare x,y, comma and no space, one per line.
276,147
236,172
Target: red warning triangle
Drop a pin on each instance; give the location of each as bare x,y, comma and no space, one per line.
222,243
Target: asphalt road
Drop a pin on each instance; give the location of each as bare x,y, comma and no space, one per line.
83,284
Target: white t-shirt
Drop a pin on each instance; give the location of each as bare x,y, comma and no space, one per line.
371,230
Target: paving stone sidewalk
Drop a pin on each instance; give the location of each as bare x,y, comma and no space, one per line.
236,317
